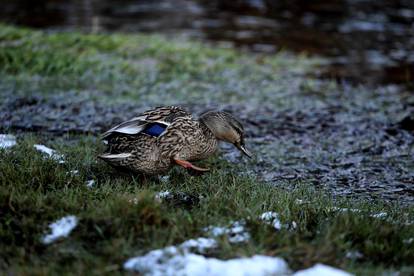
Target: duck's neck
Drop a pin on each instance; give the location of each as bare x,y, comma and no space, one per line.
210,141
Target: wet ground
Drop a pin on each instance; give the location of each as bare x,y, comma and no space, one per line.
367,42
344,143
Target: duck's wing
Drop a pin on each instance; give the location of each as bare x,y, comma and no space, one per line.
153,122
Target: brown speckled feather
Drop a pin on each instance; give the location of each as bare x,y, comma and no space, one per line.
183,138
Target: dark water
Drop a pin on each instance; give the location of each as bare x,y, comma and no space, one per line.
363,41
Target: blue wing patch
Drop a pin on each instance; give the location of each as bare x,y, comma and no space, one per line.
154,129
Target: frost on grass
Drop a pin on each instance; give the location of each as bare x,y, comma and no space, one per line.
321,270
50,152
60,228
7,141
235,233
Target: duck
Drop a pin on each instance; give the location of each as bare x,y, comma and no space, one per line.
154,141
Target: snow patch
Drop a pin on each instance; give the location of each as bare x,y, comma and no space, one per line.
164,179
272,218
7,141
344,210
158,262
133,201
235,233
321,270
60,228
74,172
90,183
408,241
164,194
301,201
199,244
50,152
354,255
182,260
380,215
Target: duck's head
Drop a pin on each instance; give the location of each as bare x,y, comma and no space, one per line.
225,127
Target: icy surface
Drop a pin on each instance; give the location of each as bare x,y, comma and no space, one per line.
50,152
60,228
321,270
7,141
235,233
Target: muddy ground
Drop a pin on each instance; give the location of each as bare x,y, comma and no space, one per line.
353,144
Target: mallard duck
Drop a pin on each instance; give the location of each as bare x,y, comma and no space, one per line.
152,142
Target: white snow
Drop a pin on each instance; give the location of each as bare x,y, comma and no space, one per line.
158,262
408,241
272,218
199,244
50,152
60,228
183,260
133,201
354,255
380,215
321,270
161,195
164,178
90,183
235,233
74,172
353,210
301,201
7,141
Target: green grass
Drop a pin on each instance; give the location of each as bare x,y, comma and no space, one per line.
36,191
151,69
145,68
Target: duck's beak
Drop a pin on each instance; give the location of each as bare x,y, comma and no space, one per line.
243,149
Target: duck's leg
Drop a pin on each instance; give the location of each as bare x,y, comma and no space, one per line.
188,165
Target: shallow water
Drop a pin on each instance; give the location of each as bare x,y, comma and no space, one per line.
368,42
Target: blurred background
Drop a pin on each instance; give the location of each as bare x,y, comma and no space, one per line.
360,41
